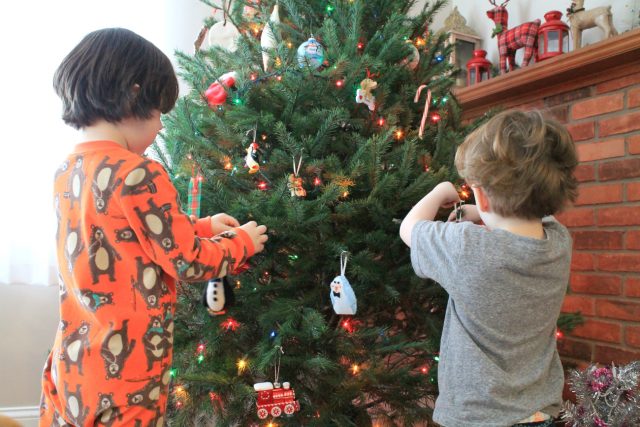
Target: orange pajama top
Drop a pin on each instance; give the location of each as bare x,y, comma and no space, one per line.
122,242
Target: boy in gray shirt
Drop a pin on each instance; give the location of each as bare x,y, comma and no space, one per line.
506,280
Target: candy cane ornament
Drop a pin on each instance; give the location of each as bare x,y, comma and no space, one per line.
425,113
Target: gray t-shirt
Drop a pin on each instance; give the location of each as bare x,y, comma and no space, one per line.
498,358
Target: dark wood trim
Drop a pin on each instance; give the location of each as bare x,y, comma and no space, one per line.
611,58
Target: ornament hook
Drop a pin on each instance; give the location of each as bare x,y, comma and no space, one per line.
280,352
344,257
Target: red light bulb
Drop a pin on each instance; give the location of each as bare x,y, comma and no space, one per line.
230,323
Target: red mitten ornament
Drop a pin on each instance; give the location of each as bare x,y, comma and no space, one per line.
216,94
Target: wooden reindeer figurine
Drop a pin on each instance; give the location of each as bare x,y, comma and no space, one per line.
510,40
580,19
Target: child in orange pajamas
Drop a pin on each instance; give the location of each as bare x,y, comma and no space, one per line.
123,240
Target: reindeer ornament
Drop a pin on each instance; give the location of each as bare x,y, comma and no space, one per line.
580,19
510,40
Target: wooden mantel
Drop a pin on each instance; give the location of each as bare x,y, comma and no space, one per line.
601,61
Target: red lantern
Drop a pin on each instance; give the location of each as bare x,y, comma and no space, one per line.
553,36
478,68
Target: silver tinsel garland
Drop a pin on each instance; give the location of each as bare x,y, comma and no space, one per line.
605,397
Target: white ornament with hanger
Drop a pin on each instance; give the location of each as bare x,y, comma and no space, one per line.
223,34
342,296
267,39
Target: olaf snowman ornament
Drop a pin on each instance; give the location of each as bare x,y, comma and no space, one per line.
342,296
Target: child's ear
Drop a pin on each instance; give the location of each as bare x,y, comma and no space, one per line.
482,201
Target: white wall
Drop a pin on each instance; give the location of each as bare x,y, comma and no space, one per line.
28,321
36,35
625,17
438,20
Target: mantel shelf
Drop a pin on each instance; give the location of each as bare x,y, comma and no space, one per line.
601,61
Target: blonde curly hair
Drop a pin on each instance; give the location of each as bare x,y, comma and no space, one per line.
523,161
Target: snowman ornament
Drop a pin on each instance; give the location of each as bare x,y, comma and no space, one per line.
218,296
341,293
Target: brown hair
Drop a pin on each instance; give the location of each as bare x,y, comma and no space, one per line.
523,161
113,74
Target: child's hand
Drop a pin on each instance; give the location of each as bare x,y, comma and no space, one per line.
447,194
469,213
223,222
257,234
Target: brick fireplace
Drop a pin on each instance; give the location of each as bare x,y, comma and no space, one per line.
595,92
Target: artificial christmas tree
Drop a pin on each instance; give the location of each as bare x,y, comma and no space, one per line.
327,147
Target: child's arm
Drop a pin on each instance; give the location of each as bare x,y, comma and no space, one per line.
168,236
444,194
210,226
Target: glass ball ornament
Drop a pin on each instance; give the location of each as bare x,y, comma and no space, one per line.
310,53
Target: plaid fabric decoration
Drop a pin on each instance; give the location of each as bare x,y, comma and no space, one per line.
509,41
195,193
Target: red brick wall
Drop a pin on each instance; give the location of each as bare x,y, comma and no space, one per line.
604,120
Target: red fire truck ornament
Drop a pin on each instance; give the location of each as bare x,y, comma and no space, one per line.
275,399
